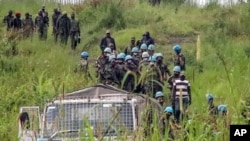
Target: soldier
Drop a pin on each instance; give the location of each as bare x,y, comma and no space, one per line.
45,16
143,48
181,92
130,67
151,50
164,69
101,63
136,56
28,26
179,59
83,65
75,32
40,24
106,40
128,49
55,17
110,75
112,47
17,22
160,98
8,20
63,26
120,66
169,123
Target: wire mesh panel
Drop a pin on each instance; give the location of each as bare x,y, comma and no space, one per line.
109,118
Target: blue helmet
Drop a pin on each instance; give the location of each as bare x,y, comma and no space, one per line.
210,96
158,94
151,47
159,55
222,108
177,48
123,54
112,57
120,56
135,50
177,69
107,49
84,54
153,58
144,46
169,109
128,57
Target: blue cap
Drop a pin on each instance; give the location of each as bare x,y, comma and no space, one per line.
169,109
158,94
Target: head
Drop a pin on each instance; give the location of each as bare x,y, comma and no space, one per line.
64,13
151,50
27,15
210,98
40,13
145,56
107,52
24,120
132,40
147,34
159,58
43,8
177,49
18,14
159,97
84,55
144,47
111,45
108,33
120,58
135,51
177,71
72,15
169,110
128,59
112,59
10,13
222,110
182,76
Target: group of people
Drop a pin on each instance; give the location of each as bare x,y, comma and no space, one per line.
140,69
63,26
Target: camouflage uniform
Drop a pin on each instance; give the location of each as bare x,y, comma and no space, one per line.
110,75
55,17
179,60
63,26
120,71
129,83
28,26
17,22
74,32
168,123
46,21
41,24
128,49
101,64
8,20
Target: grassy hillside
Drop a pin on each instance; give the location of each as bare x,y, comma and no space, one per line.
41,69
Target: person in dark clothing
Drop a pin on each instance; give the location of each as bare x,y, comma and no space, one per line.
55,17
63,25
147,39
28,26
75,32
8,19
17,22
107,40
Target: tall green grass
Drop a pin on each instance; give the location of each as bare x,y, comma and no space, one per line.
43,69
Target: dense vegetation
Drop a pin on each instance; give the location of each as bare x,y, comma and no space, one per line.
39,70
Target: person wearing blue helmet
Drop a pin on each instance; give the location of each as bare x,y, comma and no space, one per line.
159,97
130,67
102,63
151,50
163,67
83,65
211,108
135,54
175,76
169,122
128,50
179,59
143,48
222,109
120,66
